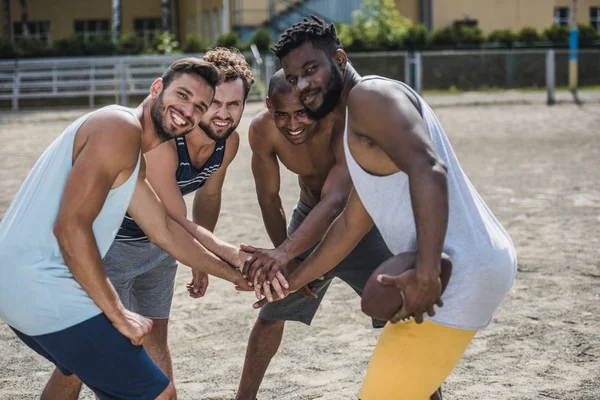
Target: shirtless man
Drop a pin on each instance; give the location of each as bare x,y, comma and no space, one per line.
408,183
142,273
312,151
54,292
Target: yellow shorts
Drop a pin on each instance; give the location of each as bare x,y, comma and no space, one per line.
411,361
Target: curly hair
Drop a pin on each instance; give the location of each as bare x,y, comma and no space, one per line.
232,65
314,30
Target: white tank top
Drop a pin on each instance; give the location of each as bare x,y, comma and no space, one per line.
483,255
38,293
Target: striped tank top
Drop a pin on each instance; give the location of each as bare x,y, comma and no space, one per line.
188,179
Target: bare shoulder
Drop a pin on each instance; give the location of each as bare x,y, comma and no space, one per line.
114,126
373,93
260,133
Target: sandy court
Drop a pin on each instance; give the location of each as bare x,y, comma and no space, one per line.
537,167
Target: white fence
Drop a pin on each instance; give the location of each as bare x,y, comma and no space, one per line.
85,77
120,77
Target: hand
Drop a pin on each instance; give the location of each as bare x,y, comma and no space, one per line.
421,289
267,261
304,290
197,287
133,326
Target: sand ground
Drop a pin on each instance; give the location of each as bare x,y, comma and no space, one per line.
537,167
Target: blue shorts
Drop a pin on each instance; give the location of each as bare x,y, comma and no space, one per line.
102,358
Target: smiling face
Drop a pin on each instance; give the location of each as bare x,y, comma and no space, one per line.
178,107
290,116
315,77
225,111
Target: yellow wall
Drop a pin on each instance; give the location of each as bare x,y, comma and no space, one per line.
409,9
131,9
62,16
506,14
583,8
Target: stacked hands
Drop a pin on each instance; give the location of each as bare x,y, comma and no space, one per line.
265,272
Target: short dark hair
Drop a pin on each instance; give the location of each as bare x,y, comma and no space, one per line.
192,65
278,83
233,65
314,30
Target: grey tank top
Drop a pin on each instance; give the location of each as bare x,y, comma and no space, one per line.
483,254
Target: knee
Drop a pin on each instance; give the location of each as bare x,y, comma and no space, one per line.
169,393
274,325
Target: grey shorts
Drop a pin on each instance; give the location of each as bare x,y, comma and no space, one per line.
143,275
355,270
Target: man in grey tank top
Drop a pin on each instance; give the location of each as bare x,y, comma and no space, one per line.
55,295
408,183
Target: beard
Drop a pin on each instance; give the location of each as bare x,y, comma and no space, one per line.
213,135
330,97
157,112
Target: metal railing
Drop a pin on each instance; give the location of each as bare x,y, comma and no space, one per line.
122,77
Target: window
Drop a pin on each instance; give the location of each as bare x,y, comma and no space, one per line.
561,16
147,27
92,28
595,18
36,30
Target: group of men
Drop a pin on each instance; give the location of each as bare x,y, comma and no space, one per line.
90,244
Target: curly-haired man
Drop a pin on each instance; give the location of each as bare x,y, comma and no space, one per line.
141,272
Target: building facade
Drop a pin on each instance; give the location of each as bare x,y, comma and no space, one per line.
209,18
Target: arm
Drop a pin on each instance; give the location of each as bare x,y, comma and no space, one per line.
265,169
161,167
207,199
148,211
374,106
106,159
341,238
334,195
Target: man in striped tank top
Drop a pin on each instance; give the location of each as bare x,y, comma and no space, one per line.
142,273
54,292
407,182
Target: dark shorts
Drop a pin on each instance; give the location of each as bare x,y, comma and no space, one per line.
102,358
355,270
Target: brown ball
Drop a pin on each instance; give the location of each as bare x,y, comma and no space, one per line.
382,302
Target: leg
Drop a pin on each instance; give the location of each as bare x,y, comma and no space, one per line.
408,353
157,346
262,346
61,386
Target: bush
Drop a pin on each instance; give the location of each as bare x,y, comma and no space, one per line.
100,46
194,44
503,36
69,47
470,35
34,48
557,34
8,49
229,40
131,44
164,43
416,38
444,37
587,34
262,39
528,35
